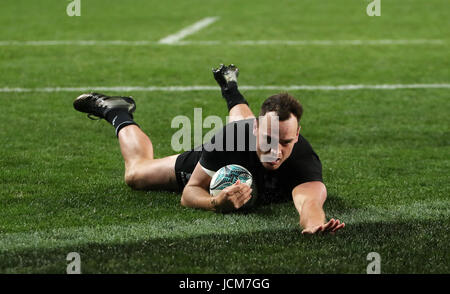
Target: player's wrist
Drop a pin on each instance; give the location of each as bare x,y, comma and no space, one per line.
309,223
213,203
217,202
221,202
311,226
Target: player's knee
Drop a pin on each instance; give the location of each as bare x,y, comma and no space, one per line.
143,180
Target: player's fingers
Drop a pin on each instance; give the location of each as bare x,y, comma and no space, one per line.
238,203
331,229
240,198
336,223
243,197
234,188
338,227
327,225
247,196
240,190
244,188
245,191
242,201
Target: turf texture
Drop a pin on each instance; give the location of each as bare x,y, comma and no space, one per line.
385,153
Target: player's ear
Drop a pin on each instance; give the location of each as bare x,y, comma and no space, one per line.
298,133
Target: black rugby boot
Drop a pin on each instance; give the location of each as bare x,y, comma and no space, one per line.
99,105
226,77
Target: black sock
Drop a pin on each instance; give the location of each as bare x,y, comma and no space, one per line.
233,96
120,119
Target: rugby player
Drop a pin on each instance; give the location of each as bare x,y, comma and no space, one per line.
294,172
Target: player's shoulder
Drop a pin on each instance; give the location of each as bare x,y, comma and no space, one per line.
304,163
302,149
302,145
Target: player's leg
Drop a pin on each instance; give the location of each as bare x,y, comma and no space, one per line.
226,77
142,170
240,112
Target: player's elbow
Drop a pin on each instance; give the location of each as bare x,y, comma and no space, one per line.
319,192
310,192
183,200
323,192
185,197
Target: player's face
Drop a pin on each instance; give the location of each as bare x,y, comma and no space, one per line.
274,155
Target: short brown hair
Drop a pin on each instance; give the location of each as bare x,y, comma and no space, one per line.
283,104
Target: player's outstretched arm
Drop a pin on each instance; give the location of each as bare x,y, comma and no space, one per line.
196,195
309,199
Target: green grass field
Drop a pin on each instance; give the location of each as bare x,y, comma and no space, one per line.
385,153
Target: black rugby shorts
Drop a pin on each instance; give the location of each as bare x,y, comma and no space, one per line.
185,165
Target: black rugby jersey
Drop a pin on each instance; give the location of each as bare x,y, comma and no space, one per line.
303,165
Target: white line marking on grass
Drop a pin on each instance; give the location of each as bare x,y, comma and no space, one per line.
313,42
188,30
78,43
223,43
215,88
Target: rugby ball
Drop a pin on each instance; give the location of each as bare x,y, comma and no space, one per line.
227,176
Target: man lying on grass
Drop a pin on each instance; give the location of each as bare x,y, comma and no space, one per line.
293,172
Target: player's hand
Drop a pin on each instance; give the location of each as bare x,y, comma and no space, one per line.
330,227
233,197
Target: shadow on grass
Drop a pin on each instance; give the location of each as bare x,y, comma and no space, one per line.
418,247
337,203
334,204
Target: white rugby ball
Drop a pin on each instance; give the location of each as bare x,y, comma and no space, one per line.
227,176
